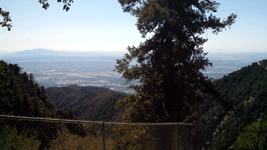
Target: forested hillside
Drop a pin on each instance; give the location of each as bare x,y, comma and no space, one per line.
20,95
88,103
246,89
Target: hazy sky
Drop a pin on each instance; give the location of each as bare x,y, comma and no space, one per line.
93,25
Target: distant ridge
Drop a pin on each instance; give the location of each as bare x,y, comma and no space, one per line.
34,52
48,52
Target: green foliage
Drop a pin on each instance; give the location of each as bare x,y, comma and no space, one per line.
249,140
66,7
11,139
246,89
6,19
169,63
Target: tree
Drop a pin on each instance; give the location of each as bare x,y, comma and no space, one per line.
169,63
7,18
66,7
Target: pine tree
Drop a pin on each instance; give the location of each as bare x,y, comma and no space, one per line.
26,105
169,63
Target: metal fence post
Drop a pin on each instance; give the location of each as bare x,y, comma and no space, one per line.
103,133
265,143
259,133
176,132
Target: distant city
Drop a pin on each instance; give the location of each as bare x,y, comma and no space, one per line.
58,69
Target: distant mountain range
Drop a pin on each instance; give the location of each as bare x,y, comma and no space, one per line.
88,103
47,52
255,56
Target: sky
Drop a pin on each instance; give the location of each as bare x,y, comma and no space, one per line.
101,25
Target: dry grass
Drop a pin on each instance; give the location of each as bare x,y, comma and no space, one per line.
68,141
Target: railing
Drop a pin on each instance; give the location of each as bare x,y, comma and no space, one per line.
45,133
17,132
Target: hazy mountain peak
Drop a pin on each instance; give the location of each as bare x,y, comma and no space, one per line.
33,52
48,52
74,87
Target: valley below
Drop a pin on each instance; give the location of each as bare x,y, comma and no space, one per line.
59,69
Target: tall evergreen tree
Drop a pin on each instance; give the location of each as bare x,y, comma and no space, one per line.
169,63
